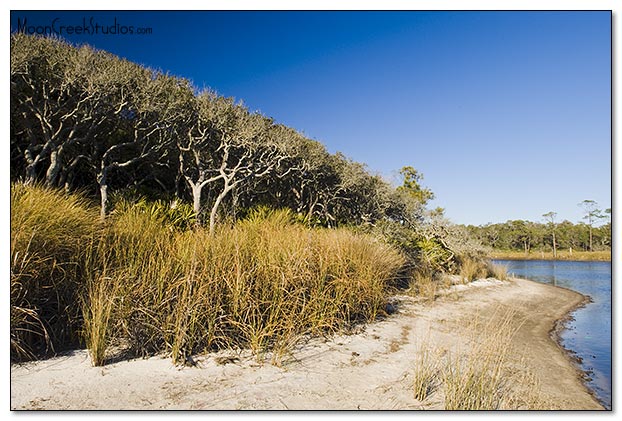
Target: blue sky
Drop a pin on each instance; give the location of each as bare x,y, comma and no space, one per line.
506,114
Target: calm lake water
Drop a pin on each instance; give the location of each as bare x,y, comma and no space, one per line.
589,334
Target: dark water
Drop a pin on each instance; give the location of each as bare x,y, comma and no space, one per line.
589,334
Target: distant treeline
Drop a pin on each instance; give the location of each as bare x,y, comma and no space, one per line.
530,236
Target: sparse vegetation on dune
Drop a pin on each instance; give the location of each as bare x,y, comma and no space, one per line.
475,380
480,375
148,280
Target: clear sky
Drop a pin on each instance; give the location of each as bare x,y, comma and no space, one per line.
506,114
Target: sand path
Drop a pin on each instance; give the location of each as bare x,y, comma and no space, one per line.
372,369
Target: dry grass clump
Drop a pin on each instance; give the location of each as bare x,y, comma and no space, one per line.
258,284
144,284
484,375
423,285
475,381
50,232
487,377
97,309
497,271
426,373
426,284
472,269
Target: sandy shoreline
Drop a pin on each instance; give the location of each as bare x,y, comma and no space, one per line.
373,369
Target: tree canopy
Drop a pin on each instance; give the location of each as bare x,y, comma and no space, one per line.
83,119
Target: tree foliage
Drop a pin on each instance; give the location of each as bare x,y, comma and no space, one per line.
412,186
592,214
86,119
83,119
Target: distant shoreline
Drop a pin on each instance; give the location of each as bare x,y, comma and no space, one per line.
565,255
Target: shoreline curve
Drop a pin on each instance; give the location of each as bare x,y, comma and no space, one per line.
372,369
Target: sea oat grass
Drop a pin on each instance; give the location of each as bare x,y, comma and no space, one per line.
256,284
150,285
49,232
472,269
97,309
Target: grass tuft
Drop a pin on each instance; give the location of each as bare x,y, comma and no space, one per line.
497,271
475,380
472,269
426,373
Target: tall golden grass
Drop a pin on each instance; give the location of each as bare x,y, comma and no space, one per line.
497,271
426,372
143,285
472,269
49,234
426,284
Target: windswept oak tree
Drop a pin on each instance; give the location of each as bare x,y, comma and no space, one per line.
50,112
85,119
150,123
308,188
274,189
81,108
225,149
